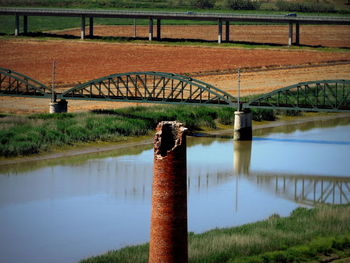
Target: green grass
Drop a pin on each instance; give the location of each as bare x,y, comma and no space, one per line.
24,135
305,235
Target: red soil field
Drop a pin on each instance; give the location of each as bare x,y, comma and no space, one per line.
80,61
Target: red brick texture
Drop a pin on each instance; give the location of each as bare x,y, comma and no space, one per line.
168,242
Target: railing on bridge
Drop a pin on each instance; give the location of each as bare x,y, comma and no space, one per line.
325,95
13,83
154,87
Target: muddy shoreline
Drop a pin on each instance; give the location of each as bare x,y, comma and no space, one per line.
115,146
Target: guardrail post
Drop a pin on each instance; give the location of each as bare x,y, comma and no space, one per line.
150,29
168,242
16,25
82,31
219,31
91,26
158,29
25,25
290,34
297,33
227,31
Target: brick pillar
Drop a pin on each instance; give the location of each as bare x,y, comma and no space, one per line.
168,242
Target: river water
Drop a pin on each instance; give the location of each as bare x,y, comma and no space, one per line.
68,209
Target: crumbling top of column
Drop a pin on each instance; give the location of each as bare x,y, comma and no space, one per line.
169,136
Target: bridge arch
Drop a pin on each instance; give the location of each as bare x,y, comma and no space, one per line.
150,86
16,84
323,95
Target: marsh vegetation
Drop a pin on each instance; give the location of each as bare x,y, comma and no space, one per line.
307,234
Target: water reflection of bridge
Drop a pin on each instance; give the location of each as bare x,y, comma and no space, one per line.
304,189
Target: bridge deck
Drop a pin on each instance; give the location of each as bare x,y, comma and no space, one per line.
175,15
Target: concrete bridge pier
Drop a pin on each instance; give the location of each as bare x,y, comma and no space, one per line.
290,34
17,25
227,31
82,30
297,33
25,25
159,29
91,27
150,29
59,106
219,31
243,126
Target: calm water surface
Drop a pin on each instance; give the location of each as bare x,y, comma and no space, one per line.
68,209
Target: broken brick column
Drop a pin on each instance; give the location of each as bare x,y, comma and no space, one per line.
168,242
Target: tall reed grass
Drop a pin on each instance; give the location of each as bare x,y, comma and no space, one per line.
275,239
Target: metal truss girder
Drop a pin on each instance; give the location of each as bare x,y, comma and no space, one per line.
14,83
153,86
310,96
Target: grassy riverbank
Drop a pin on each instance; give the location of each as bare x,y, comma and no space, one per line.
306,235
25,135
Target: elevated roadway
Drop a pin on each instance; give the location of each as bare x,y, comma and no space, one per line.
221,18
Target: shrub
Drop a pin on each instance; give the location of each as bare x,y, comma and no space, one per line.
305,6
238,4
203,4
263,114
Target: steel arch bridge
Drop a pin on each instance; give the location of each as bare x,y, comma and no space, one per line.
325,95
160,87
152,87
16,84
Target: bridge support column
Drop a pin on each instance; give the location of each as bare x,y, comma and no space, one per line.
150,29
158,29
227,31
91,27
297,34
25,25
168,242
59,107
290,34
82,30
17,25
219,31
243,126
